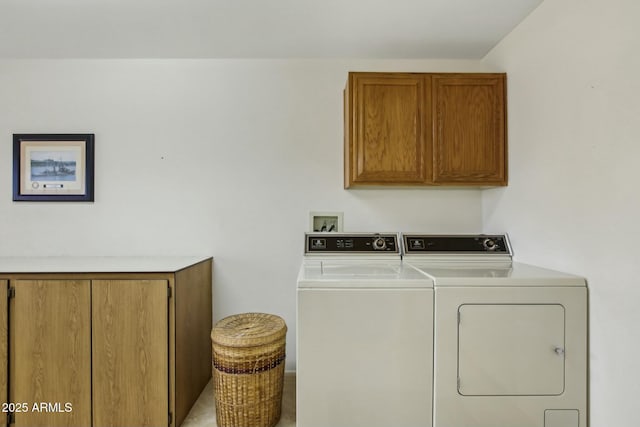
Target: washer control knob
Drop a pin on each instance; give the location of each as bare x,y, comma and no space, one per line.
379,243
490,244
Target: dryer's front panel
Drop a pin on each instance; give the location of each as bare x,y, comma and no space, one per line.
505,357
511,349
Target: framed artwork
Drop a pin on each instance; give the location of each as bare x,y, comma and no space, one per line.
53,167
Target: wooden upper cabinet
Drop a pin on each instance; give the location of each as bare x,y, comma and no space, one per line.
385,129
425,129
469,145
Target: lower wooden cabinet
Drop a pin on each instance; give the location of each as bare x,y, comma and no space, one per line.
4,356
105,349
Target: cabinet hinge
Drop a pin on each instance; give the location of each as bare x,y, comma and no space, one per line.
170,418
11,292
458,383
458,318
168,291
10,418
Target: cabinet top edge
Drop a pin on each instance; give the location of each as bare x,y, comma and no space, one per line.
428,73
98,264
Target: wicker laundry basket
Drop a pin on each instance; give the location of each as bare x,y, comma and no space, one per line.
248,369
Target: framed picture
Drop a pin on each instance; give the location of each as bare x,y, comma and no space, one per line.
53,167
325,221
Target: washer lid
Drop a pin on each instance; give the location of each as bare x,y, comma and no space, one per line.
347,274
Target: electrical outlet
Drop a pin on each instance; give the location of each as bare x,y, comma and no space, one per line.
325,221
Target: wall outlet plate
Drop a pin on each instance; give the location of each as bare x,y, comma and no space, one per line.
326,221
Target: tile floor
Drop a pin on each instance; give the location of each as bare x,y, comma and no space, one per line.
203,413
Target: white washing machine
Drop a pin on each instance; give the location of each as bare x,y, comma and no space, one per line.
364,334
510,338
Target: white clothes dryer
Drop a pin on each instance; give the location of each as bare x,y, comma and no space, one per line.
364,334
510,338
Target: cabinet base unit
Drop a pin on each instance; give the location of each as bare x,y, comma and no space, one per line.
104,341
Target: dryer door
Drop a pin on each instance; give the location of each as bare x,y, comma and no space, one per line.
511,349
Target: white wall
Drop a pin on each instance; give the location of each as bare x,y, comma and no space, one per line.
573,201
212,157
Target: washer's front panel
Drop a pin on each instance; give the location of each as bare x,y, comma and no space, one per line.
494,325
365,357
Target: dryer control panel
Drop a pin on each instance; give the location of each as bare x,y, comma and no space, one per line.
358,243
456,244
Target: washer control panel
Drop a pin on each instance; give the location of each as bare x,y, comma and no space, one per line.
357,243
452,244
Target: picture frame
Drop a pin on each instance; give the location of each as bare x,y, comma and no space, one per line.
53,167
326,221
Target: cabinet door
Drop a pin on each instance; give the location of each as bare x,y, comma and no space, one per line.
50,360
4,345
469,143
386,141
130,353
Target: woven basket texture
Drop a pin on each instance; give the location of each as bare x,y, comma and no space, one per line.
248,369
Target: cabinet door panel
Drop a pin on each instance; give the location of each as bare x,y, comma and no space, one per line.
4,345
50,359
469,143
130,353
387,136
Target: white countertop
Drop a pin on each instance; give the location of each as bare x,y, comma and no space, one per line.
95,264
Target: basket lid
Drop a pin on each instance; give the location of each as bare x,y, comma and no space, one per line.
248,330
